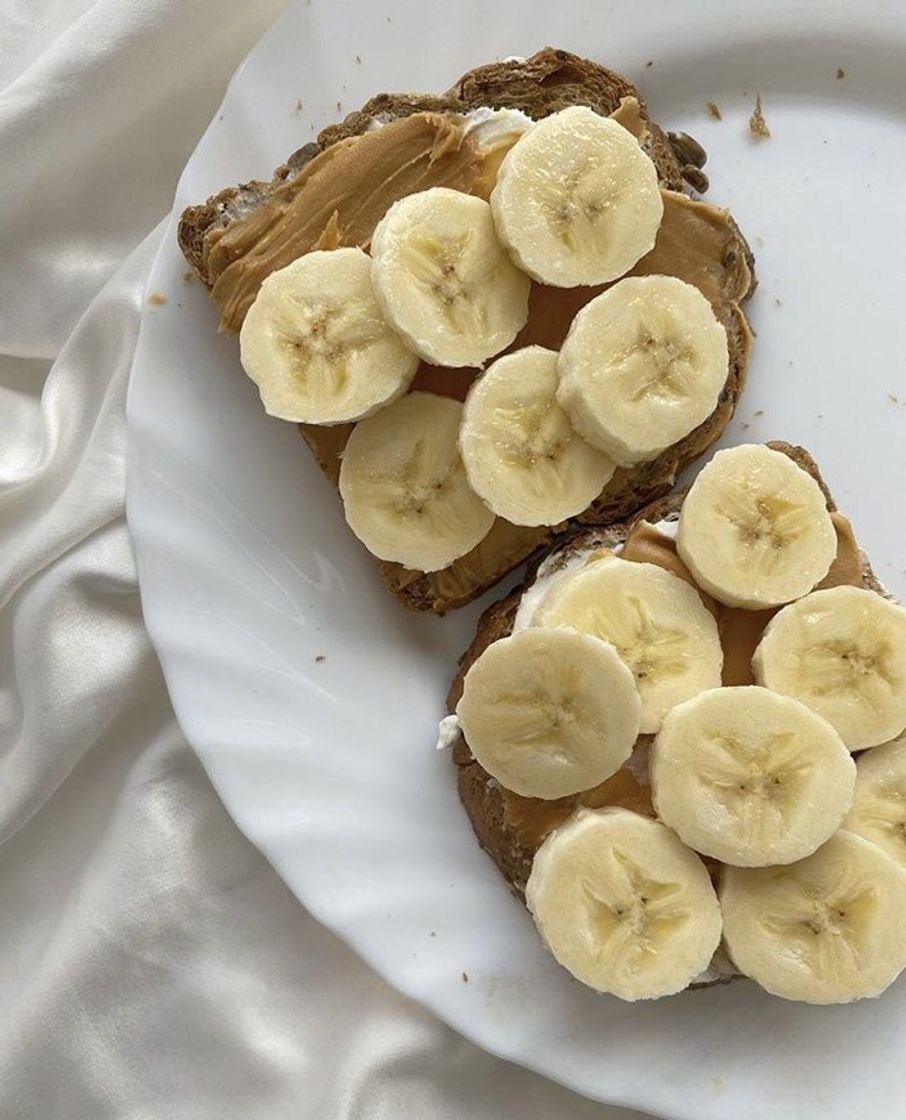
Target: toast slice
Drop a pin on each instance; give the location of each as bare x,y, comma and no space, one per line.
510,828
222,240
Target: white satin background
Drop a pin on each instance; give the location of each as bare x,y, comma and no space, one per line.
152,965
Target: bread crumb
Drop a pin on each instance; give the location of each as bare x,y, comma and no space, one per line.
465,978
339,107
760,412
358,59
650,62
894,399
187,276
757,124
778,303
157,298
841,73
745,426
714,111
319,657
432,933
298,108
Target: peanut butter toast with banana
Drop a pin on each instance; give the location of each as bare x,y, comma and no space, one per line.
496,314
683,743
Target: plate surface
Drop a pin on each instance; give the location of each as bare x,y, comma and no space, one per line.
249,575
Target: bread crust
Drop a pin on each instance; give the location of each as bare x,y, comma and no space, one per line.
542,84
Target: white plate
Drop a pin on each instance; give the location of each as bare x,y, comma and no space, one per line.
248,572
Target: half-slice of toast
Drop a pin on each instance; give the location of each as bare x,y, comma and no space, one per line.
511,828
697,242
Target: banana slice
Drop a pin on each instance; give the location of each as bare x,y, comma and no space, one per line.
317,346
657,622
829,929
842,652
643,364
521,454
749,777
754,529
549,712
879,809
404,487
577,200
444,281
623,904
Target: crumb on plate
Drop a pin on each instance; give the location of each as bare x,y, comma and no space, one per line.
757,124
714,111
157,298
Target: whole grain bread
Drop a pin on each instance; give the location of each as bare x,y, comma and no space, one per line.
542,84
480,794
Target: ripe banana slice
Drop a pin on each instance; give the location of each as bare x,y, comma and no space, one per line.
842,652
317,346
657,622
754,529
521,454
829,929
444,281
749,777
643,364
577,200
879,809
623,904
549,712
404,487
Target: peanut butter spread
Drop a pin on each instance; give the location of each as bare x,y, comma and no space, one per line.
340,195
337,198
531,819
